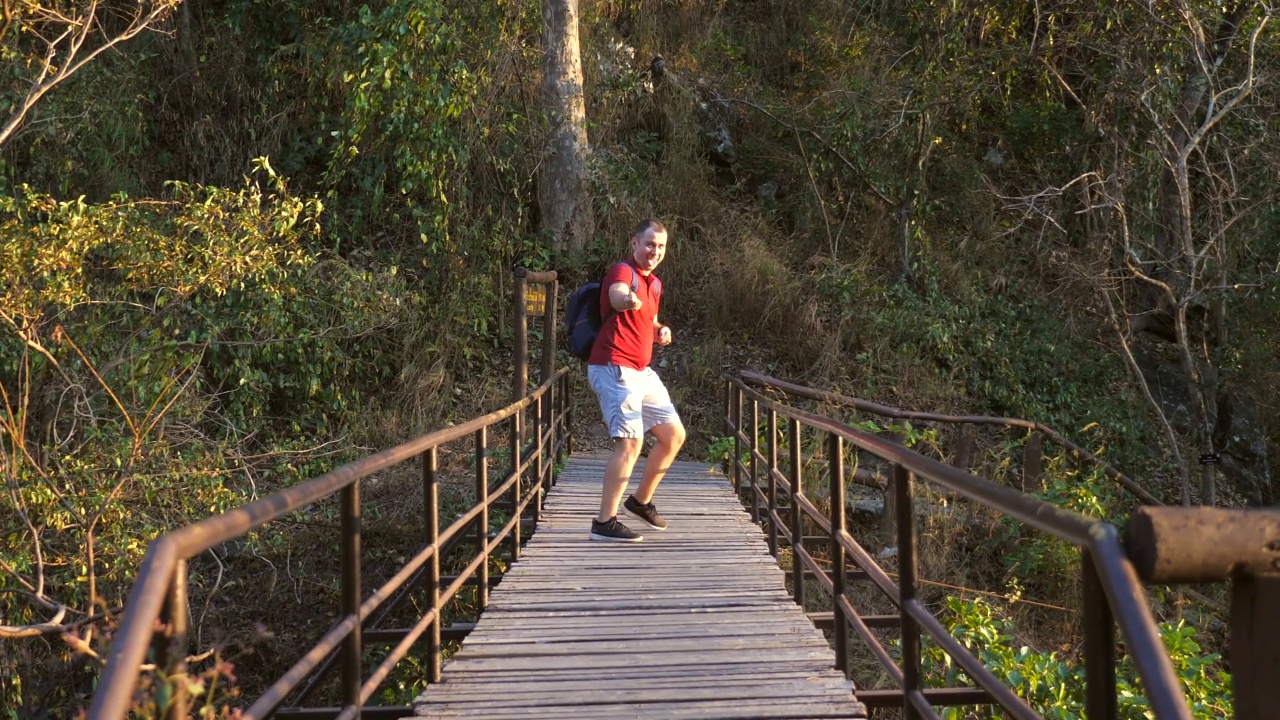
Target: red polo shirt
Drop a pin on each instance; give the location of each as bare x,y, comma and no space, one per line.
626,338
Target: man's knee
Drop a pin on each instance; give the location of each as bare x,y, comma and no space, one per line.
671,434
628,447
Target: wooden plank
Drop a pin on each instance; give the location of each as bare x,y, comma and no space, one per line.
759,710
553,686
534,695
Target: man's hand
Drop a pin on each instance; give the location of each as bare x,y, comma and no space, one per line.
664,335
634,302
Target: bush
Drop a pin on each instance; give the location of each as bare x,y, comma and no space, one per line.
1054,685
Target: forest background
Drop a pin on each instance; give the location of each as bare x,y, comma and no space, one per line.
251,240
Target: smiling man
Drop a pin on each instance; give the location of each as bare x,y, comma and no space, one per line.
632,397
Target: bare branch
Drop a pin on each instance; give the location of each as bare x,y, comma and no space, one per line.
71,44
1171,438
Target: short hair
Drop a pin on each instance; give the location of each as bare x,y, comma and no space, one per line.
647,225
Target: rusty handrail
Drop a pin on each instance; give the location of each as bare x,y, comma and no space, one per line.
1112,586
157,574
874,408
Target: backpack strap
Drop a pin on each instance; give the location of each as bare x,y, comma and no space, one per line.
635,279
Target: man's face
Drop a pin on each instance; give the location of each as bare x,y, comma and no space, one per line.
648,249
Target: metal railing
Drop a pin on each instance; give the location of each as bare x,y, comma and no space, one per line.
1032,456
1111,590
156,614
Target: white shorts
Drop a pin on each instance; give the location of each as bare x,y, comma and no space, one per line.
632,401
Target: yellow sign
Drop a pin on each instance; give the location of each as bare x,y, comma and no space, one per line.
535,298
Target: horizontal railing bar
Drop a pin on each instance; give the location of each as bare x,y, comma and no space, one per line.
1001,694
397,653
456,631
502,534
922,706
446,547
1145,646
812,565
937,696
826,620
885,411
784,528
280,689
861,476
1202,544
536,276
869,639
1115,572
1045,516
383,712
197,538
452,588
863,559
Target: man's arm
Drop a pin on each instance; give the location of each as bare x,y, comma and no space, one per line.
622,299
662,333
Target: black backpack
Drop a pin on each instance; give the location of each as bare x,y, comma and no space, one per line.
582,316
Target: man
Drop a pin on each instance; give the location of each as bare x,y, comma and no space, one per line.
633,399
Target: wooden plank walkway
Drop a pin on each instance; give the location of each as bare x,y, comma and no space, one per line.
694,622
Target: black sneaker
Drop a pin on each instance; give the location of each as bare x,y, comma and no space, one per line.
647,513
613,531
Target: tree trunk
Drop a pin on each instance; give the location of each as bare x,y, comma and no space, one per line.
1177,239
562,184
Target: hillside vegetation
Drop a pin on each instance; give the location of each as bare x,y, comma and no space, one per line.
257,239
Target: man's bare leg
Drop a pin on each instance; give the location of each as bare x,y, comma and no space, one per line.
670,438
617,474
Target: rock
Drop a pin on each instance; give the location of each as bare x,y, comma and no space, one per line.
1164,377
1238,435
1242,443
869,507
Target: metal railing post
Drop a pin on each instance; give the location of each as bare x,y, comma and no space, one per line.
755,448
564,411
907,580
728,406
840,631
171,655
1099,643
539,453
352,643
737,439
772,484
482,520
517,492
431,518
1255,645
568,414
797,523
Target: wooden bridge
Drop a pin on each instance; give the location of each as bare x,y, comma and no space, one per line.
695,622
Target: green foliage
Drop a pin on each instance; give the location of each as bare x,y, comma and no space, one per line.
906,434
1039,561
720,452
1013,357
1054,685
148,351
399,138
